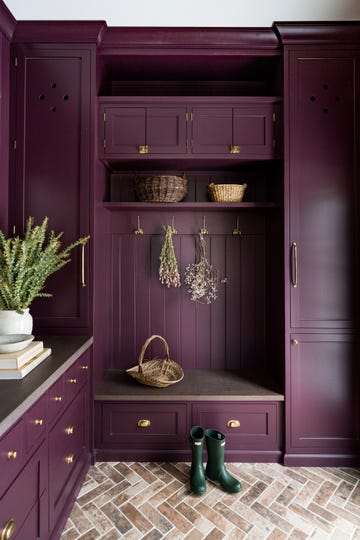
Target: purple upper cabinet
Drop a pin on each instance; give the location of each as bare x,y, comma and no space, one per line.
323,200
212,130
142,130
51,169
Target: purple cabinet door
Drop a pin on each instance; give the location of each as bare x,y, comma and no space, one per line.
324,397
166,130
52,170
212,130
322,192
252,130
124,129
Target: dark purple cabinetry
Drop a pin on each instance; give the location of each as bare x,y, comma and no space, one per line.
51,169
322,263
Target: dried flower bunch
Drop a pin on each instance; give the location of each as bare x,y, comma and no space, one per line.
202,279
168,271
26,263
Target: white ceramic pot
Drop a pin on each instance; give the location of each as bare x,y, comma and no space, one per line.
12,322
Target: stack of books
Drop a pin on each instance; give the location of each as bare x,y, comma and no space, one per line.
15,365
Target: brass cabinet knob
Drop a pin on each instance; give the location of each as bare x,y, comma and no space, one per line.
294,342
58,398
233,423
143,149
8,530
70,430
143,423
12,454
70,459
39,422
85,367
72,381
234,149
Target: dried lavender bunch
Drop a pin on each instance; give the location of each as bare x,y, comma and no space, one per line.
202,279
168,271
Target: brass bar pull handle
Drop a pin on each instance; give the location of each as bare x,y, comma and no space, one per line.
294,264
83,284
143,423
233,423
8,530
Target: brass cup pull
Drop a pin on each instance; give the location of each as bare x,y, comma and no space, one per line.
143,149
12,454
8,530
72,381
234,149
233,423
144,423
58,399
70,459
39,422
70,430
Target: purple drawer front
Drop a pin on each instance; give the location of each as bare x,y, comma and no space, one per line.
76,376
12,454
56,400
35,423
145,425
246,425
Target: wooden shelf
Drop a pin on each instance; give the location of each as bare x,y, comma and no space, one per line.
197,385
193,206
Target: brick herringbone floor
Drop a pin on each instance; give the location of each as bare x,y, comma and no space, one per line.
152,501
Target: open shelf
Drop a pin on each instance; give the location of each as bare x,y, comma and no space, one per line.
201,206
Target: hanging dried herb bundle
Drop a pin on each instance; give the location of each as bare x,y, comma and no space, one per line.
202,279
168,271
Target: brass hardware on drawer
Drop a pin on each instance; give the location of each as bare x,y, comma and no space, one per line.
58,398
144,423
12,454
70,430
234,149
294,342
85,367
143,149
73,381
38,422
233,423
8,530
70,459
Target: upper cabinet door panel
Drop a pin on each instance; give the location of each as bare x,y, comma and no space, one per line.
166,130
212,130
252,130
124,129
322,192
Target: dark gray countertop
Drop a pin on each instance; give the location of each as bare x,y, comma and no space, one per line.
16,396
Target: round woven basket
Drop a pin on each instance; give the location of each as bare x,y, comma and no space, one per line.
161,188
226,192
159,372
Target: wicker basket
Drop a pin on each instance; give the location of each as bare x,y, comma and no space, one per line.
159,372
226,192
161,188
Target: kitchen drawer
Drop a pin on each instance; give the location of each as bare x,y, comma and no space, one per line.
76,376
35,423
67,454
20,503
12,454
145,425
246,425
55,400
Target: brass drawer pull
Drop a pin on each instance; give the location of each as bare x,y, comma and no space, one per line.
234,149
144,423
294,342
70,459
58,399
12,454
233,423
70,430
39,422
8,530
85,367
72,381
143,149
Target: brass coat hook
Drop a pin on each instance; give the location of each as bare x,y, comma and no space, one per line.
139,229
236,231
204,229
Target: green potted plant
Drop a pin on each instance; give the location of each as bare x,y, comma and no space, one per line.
25,265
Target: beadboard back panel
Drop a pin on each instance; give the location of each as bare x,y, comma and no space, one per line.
227,334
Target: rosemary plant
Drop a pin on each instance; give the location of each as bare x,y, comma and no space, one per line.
26,263
168,271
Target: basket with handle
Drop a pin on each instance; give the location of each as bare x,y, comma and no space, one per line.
159,372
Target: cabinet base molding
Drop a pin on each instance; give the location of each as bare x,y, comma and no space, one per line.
321,460
261,456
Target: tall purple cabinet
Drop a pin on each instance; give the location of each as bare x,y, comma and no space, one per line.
321,132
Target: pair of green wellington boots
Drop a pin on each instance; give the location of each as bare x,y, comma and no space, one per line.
215,468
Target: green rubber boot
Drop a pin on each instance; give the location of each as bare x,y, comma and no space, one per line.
197,475
215,468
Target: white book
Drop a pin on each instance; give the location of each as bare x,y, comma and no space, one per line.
26,368
16,359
